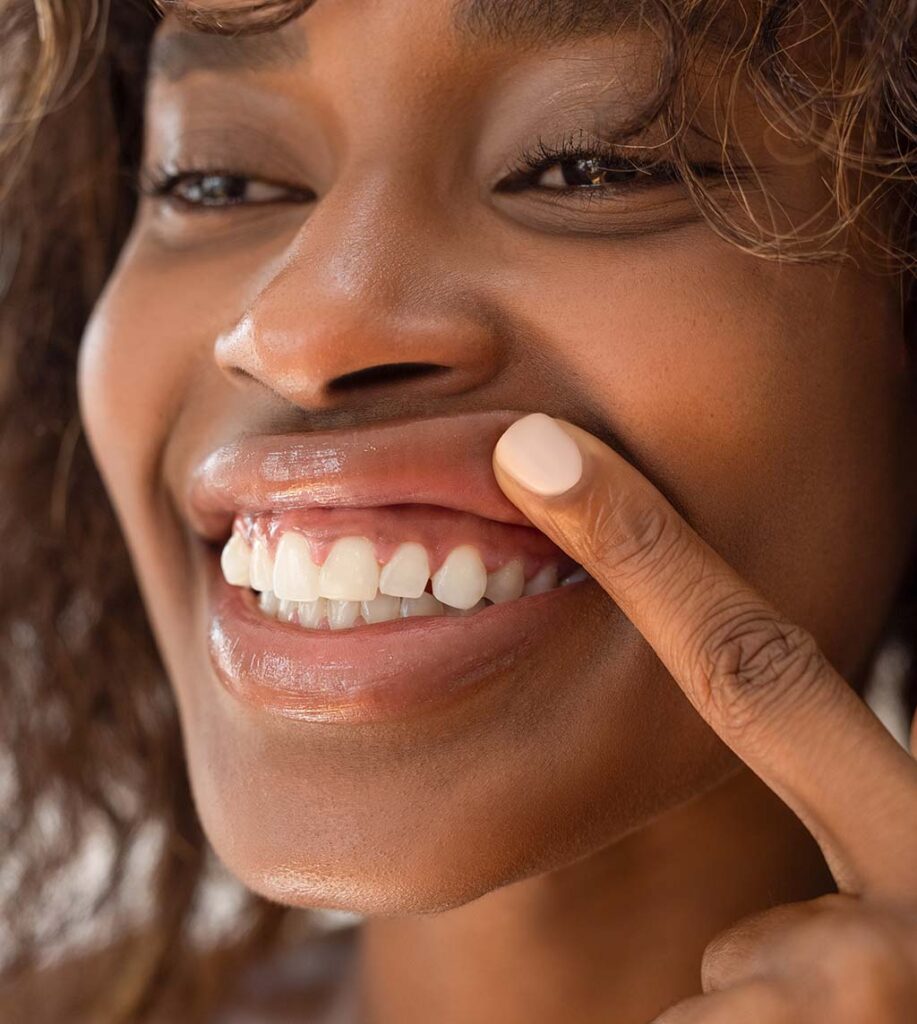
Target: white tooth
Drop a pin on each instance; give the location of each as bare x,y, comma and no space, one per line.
462,579
381,608
406,573
295,574
544,579
311,613
343,614
468,611
287,611
350,572
268,603
262,570
505,583
577,576
236,560
426,604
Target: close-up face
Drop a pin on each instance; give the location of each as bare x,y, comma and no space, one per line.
369,241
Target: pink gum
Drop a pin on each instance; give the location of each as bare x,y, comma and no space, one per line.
438,529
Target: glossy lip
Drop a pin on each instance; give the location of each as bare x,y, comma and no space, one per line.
385,671
375,672
442,461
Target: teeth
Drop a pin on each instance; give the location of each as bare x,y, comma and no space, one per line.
406,573
311,613
343,614
426,604
462,579
577,576
352,589
381,608
544,579
295,574
506,583
350,572
235,561
262,570
468,611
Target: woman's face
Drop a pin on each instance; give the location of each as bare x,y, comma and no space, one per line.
369,206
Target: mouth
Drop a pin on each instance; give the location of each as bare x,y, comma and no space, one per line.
373,573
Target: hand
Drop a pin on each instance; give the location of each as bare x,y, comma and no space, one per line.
763,685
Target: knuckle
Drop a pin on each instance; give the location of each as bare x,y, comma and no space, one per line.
722,958
861,966
749,662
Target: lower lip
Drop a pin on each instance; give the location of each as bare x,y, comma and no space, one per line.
385,671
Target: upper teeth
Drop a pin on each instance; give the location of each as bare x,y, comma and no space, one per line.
351,573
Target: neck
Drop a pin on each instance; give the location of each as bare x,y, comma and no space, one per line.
623,929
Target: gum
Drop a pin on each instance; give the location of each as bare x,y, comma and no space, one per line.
438,529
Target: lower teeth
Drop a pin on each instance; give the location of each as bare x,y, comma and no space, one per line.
328,614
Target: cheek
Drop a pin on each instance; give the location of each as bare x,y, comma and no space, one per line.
130,369
762,402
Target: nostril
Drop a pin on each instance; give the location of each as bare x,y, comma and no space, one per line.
384,373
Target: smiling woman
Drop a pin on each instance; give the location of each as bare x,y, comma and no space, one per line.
276,279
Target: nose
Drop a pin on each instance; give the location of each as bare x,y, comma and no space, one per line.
362,309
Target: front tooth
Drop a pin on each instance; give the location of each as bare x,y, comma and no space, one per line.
544,579
506,583
287,611
426,604
268,603
480,606
343,614
350,572
381,608
462,579
295,574
262,569
406,573
311,613
235,561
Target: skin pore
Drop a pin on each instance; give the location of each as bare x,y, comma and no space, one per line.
561,843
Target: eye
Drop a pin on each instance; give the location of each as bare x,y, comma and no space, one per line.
588,172
581,165
217,189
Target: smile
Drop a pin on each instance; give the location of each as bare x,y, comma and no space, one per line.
454,564
374,573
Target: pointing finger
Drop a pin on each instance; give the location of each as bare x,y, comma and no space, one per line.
759,680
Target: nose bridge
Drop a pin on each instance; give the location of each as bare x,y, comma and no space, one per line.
360,287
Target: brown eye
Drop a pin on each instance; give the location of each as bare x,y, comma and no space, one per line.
587,172
215,189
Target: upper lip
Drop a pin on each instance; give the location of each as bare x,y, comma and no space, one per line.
443,460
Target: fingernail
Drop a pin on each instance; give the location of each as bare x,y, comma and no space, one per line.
538,454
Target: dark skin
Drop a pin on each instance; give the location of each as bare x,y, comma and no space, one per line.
563,844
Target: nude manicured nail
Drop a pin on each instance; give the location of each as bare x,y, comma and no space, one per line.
538,454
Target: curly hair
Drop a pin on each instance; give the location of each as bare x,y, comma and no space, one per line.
89,734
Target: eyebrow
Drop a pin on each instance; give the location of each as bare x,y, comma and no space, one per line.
175,54
543,22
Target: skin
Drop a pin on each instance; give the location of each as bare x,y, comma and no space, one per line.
590,832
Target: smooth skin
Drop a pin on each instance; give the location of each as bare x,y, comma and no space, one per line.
762,683
564,844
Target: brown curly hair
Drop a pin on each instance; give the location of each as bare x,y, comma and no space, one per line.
89,735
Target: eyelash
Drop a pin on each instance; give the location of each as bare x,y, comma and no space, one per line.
531,163
160,182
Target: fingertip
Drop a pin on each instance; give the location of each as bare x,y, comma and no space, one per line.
539,455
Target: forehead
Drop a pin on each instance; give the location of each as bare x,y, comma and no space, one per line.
178,49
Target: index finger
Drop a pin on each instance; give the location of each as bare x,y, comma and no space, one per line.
760,681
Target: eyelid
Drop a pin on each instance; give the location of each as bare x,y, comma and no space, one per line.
157,182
